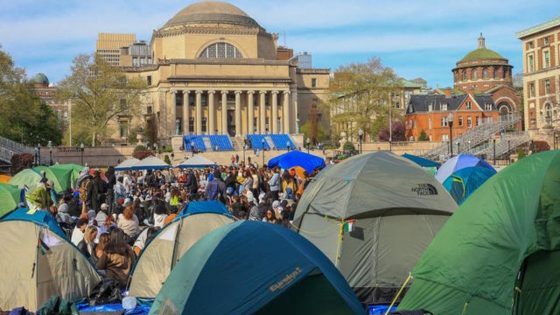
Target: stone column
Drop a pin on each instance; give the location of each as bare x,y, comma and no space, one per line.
186,112
262,112
274,112
224,113
286,110
211,113
198,112
237,113
173,119
251,110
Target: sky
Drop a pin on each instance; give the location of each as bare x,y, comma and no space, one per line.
416,38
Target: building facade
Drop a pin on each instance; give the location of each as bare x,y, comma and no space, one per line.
429,115
541,77
109,45
47,94
215,70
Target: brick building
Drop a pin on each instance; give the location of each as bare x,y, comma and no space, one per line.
430,114
47,94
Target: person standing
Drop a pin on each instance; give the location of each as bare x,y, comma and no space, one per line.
111,182
274,183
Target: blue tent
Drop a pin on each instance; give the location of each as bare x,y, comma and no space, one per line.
459,162
210,206
421,161
308,162
39,217
464,182
255,267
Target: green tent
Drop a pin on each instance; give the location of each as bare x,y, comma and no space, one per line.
26,177
373,215
61,177
500,252
74,169
10,197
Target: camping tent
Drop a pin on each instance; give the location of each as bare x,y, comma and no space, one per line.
39,262
126,164
10,197
373,215
74,170
501,245
150,163
61,177
197,161
160,255
459,162
421,161
464,182
309,162
252,267
26,177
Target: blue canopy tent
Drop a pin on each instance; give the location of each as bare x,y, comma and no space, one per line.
255,267
210,206
308,162
464,182
459,162
421,161
150,163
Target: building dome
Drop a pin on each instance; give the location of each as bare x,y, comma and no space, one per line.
40,78
211,12
481,54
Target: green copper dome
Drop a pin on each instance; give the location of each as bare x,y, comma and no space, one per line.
481,53
40,78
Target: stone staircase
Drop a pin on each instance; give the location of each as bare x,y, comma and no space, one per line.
9,148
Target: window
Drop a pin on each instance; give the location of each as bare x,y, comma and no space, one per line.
469,122
532,89
149,80
203,125
430,107
477,121
546,59
469,105
488,107
179,98
444,122
123,129
530,63
485,73
122,103
460,121
191,124
547,86
545,41
313,82
445,137
444,107
474,74
149,110
531,45
464,74
220,50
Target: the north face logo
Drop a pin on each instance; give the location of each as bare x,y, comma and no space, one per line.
425,189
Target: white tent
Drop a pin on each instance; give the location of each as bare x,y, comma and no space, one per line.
126,164
197,162
150,163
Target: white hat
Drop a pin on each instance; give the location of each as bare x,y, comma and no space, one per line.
104,207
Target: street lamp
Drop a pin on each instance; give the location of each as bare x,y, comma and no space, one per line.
458,147
50,152
308,141
36,156
82,153
509,154
39,154
556,136
450,123
262,147
494,149
361,138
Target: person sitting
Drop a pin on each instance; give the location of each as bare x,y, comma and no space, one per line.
160,213
117,258
128,222
78,232
99,249
269,217
87,244
143,239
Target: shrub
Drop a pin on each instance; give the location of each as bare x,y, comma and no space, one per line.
166,159
348,146
21,161
423,136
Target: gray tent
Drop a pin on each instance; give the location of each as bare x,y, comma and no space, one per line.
162,253
373,215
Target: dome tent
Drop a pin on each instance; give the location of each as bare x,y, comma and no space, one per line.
26,178
459,162
10,198
373,215
60,176
501,245
39,262
255,267
464,182
308,162
160,256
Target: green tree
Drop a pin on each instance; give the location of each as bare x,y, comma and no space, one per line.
423,136
101,93
24,117
361,96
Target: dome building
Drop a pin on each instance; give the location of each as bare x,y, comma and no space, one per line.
217,71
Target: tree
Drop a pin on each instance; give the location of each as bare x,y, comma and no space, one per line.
24,117
423,136
398,133
361,94
101,93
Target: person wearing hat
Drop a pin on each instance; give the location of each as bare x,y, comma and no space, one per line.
40,197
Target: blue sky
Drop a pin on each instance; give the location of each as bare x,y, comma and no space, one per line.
416,38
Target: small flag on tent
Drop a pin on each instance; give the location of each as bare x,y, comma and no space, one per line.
348,226
43,247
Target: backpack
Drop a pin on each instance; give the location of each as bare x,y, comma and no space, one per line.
84,185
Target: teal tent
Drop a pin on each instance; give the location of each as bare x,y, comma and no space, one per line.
250,267
421,161
464,182
499,253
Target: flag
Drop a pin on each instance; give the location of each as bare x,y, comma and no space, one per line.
348,226
43,247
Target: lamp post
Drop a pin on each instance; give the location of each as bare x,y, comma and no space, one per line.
192,148
458,147
50,152
39,154
308,141
262,146
36,156
509,154
494,150
450,123
244,149
361,138
82,153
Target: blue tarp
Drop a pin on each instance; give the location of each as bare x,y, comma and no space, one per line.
140,309
421,161
459,162
308,162
464,182
210,206
40,217
253,265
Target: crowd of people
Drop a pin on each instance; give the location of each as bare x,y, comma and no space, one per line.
112,216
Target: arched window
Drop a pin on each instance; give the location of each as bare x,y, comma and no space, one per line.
464,75
505,110
485,73
220,50
474,74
